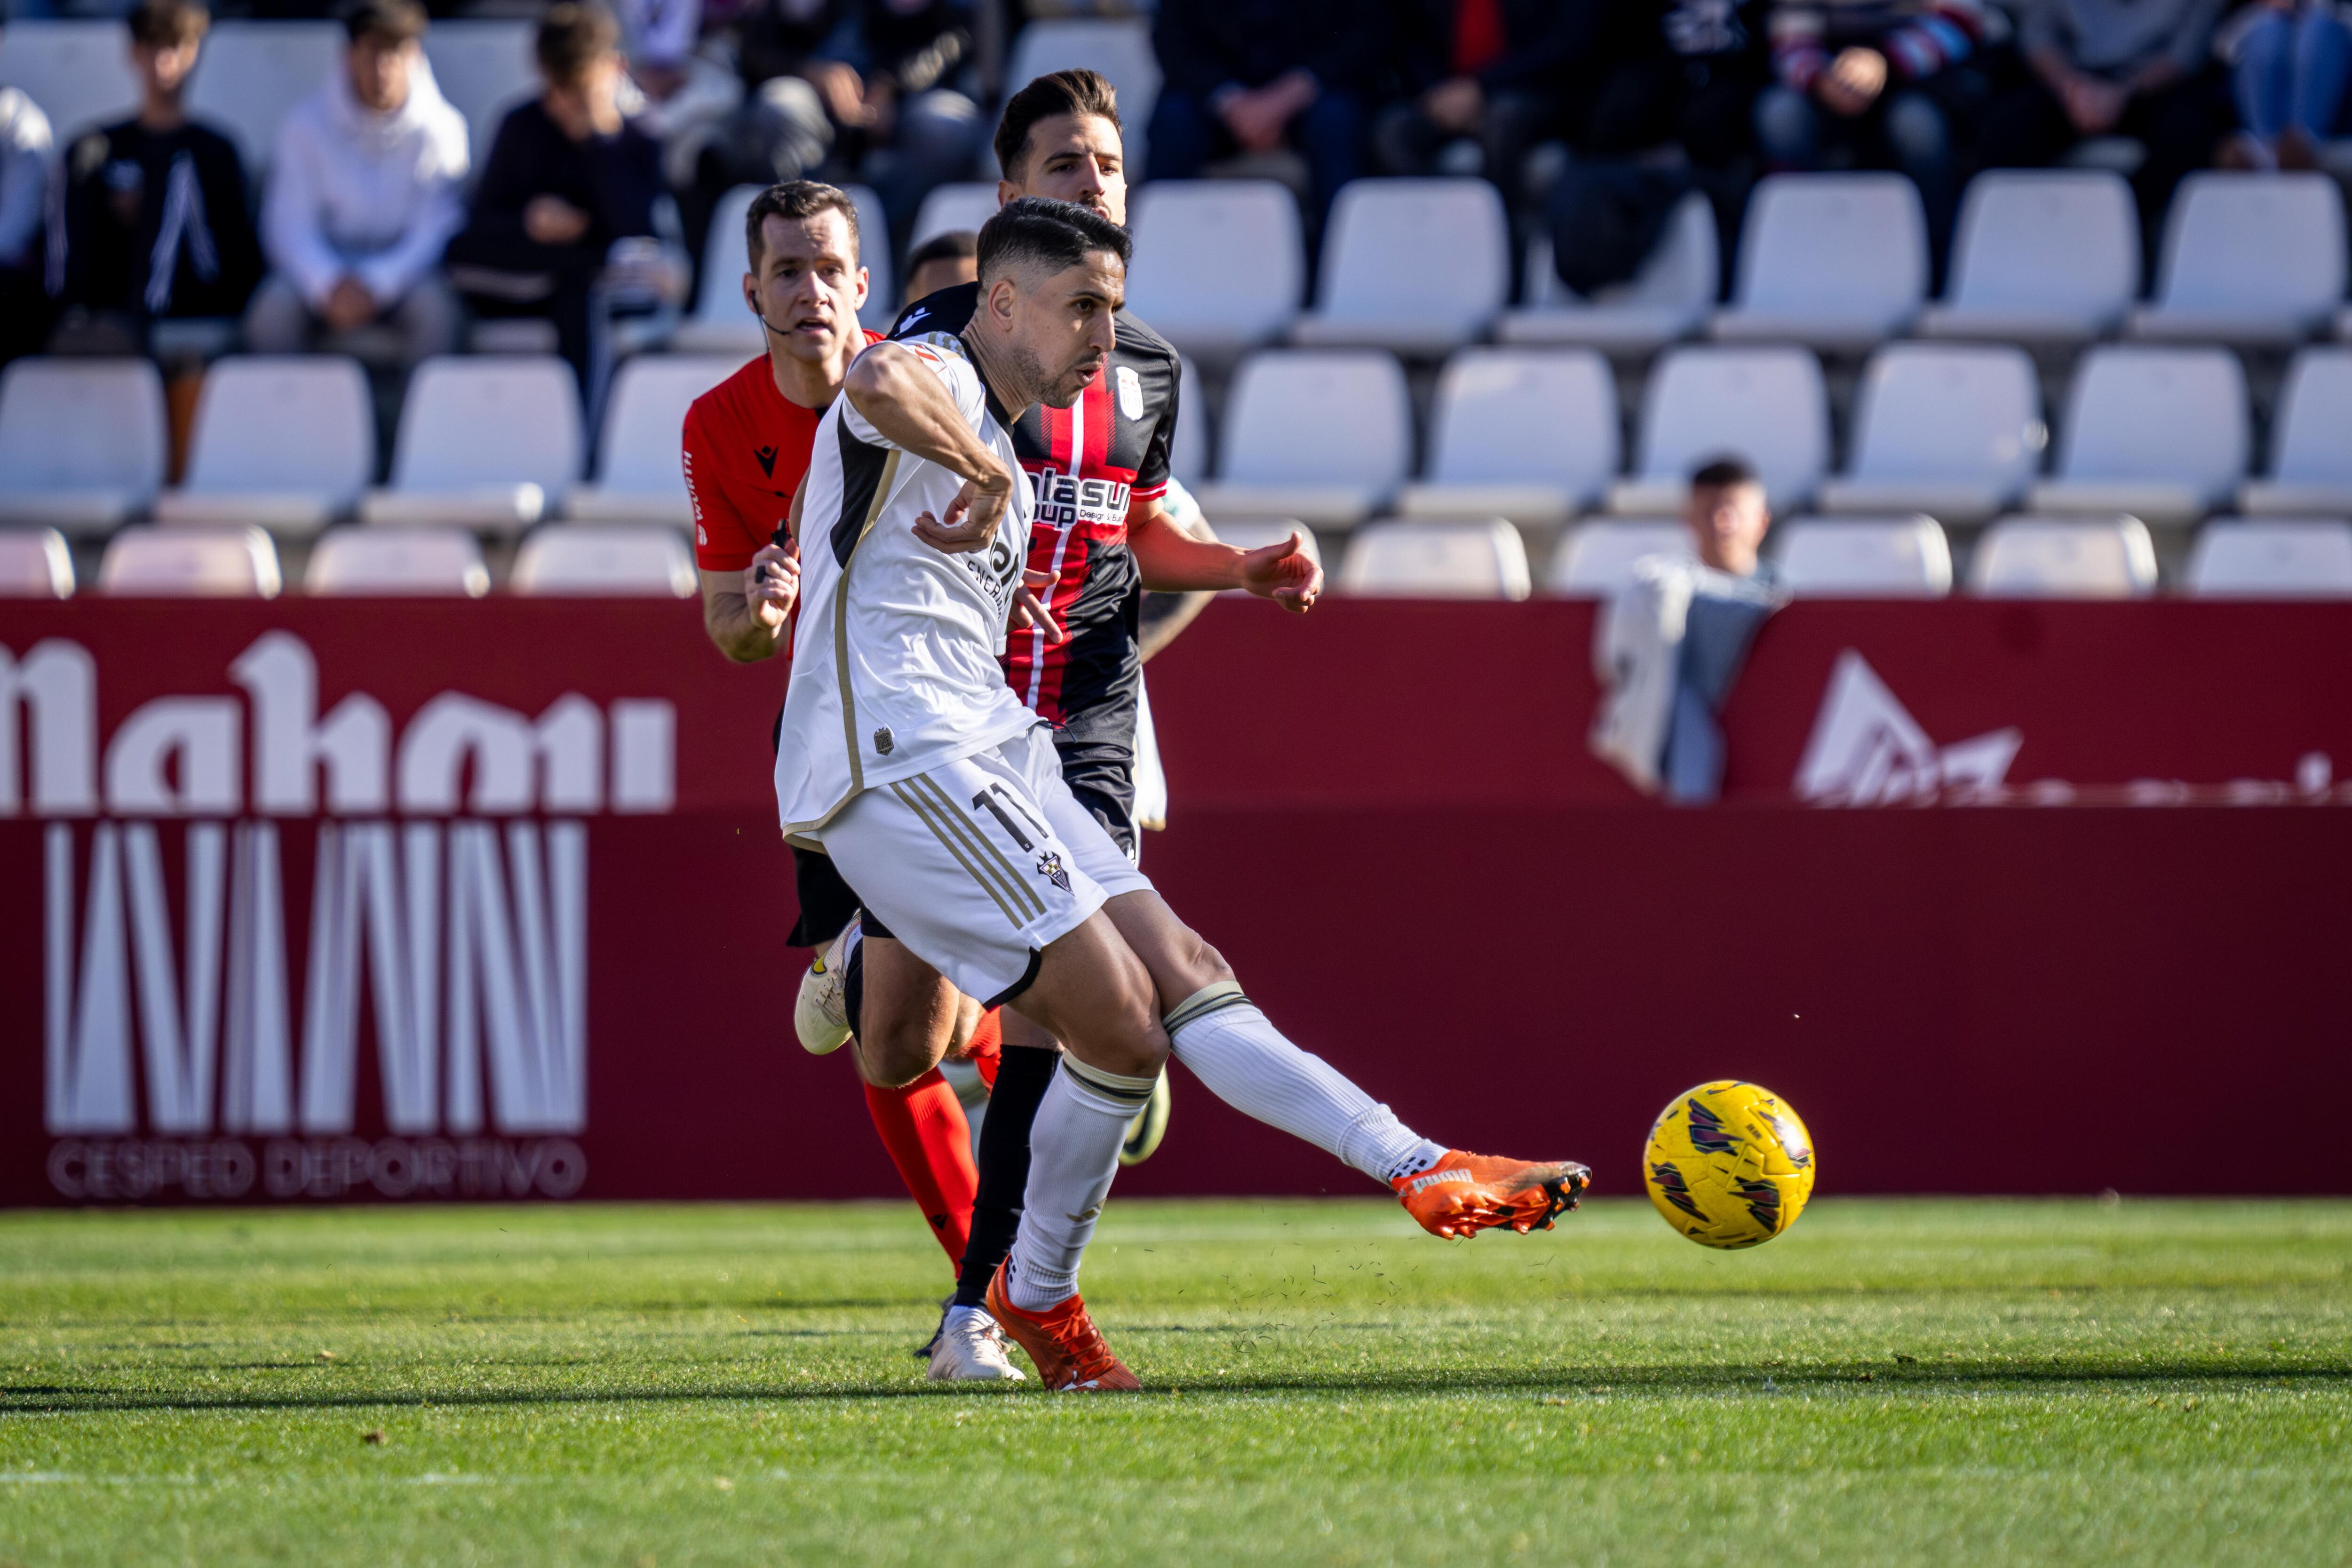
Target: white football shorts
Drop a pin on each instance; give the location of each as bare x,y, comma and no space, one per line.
979,864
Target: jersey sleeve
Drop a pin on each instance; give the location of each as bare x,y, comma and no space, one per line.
724,539
949,365
1152,474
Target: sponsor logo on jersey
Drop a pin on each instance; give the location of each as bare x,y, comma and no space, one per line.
767,455
1130,392
1064,501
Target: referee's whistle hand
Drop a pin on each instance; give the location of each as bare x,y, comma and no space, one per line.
771,584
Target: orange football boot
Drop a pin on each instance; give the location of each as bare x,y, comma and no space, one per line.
1062,1341
1464,1193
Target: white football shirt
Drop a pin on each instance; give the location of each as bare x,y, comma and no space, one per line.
894,660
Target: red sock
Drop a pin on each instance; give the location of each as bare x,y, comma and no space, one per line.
923,1127
986,1048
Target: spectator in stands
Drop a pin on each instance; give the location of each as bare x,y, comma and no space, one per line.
567,186
1879,83
23,195
156,219
1727,517
1251,76
940,262
1656,73
2142,68
1490,74
364,196
688,93
2290,62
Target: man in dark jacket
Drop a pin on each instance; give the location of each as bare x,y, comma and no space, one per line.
156,216
1250,76
1487,72
569,187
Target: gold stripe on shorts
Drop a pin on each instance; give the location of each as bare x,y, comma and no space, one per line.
978,840
925,813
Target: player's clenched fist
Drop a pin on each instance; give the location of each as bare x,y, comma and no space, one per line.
771,584
1284,573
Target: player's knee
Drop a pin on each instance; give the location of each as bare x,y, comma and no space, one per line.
896,1048
1136,1045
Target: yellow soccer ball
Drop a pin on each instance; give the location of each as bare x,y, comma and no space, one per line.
1729,1164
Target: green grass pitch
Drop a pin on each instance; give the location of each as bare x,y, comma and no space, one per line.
1893,1382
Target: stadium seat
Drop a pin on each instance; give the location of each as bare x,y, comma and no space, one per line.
81,442
34,564
719,324
288,442
358,561
2043,256
1952,430
2065,558
2248,258
2271,558
1864,558
564,558
1188,449
1219,264
1524,434
1765,404
195,560
966,205
1448,560
1120,49
484,68
1835,261
1595,559
76,72
639,475
1668,298
1321,435
489,442
2311,442
251,73
1419,267
2159,433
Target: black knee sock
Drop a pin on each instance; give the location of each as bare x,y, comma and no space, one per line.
853,990
1023,1075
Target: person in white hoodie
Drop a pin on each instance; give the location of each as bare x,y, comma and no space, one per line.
364,192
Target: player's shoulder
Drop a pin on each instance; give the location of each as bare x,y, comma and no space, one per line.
731,401
948,310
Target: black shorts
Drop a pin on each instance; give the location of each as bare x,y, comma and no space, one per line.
1101,774
827,902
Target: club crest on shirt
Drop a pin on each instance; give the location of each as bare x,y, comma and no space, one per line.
1130,392
1049,866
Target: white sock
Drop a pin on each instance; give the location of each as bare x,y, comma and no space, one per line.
1073,1155
1220,1035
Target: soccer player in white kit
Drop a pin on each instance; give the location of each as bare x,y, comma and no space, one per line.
908,759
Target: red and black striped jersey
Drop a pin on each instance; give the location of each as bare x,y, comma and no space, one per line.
1087,463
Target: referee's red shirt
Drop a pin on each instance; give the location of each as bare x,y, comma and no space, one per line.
746,448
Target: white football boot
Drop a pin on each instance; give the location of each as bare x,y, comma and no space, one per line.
821,1013
970,1348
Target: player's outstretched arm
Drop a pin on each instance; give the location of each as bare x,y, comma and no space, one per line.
1169,558
894,390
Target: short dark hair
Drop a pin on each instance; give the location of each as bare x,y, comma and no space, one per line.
953,245
384,21
795,200
168,23
1057,235
572,37
1062,92
1722,471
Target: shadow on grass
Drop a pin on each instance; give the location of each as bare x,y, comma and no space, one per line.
1590,1381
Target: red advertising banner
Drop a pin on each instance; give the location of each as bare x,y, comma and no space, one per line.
332,900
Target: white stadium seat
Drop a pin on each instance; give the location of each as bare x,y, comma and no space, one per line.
721,323
1836,261
285,441
2158,433
78,73
486,442
2311,442
640,478
1864,558
2271,558
194,561
82,442
1524,434
251,73
1595,559
2043,256
1188,450
1219,264
2065,558
1407,560
1952,430
2248,258
564,559
1419,267
358,561
35,564
1321,435
1669,298
966,205
484,68
1120,49
1768,406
